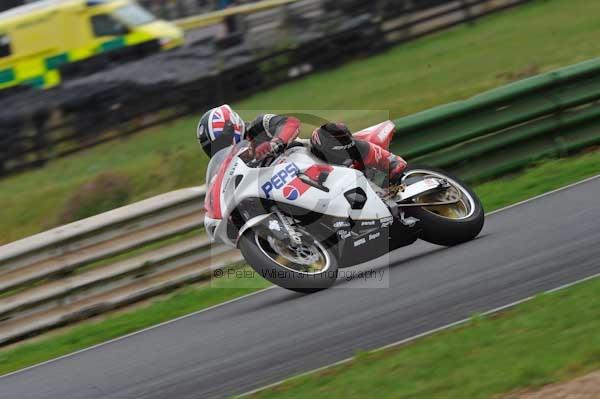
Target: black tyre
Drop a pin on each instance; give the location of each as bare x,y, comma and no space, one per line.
447,224
308,268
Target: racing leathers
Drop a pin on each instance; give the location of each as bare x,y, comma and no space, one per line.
332,142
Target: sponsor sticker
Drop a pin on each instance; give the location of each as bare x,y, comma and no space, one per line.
374,236
227,179
344,234
343,147
368,223
295,189
341,223
286,179
359,242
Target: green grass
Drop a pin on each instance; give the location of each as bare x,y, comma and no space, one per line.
448,66
537,180
545,176
551,338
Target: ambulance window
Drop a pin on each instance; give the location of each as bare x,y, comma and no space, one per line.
5,49
134,15
105,25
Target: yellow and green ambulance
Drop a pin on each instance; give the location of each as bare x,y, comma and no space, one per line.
44,42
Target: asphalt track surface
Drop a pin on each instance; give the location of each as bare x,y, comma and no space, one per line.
227,350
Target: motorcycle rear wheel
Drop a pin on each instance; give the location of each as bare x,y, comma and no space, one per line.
446,225
307,270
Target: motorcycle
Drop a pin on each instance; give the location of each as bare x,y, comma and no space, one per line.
297,219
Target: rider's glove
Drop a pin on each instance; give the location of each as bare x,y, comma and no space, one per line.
268,148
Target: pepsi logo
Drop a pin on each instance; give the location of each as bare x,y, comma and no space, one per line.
291,193
280,179
285,180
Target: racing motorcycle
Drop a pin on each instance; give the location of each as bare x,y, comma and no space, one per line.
297,219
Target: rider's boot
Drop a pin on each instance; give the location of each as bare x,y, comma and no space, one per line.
376,157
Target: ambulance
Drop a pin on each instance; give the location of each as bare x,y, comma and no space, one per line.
45,42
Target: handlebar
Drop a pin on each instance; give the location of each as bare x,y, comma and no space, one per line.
256,163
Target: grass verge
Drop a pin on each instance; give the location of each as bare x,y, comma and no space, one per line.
547,175
551,338
448,66
537,180
86,334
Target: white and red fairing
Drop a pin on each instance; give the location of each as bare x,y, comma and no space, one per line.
280,184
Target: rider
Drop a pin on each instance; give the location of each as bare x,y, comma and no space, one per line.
333,142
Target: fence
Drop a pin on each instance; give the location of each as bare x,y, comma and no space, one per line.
79,270
173,10
193,21
38,126
62,275
504,129
196,9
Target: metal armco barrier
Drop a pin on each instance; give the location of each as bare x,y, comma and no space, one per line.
57,277
215,17
39,126
506,128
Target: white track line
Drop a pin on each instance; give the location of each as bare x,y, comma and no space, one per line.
545,194
421,335
272,287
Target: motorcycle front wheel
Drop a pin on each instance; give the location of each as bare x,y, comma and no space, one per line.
446,225
306,268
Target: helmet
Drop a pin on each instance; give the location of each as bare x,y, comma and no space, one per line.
219,128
